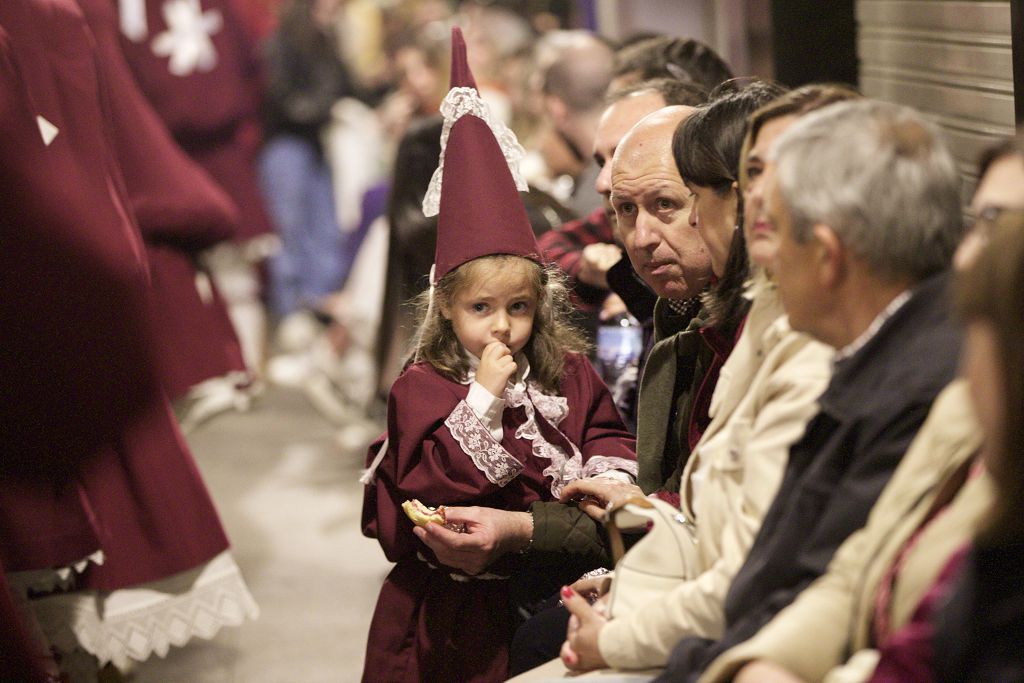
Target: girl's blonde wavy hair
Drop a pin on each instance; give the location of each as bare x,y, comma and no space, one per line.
552,337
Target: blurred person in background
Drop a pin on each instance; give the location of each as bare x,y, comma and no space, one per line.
494,34
419,59
305,78
199,67
684,59
110,540
573,89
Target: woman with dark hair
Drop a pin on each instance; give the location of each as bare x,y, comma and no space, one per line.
305,77
411,241
707,149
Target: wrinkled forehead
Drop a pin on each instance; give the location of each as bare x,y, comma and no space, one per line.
647,186
646,143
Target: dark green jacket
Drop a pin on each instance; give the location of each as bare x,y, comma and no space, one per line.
566,536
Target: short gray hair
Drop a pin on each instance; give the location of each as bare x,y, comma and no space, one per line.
881,177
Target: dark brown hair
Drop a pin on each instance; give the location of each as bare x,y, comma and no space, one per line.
682,59
553,335
989,292
706,147
672,90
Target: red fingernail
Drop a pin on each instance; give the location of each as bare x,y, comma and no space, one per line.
567,592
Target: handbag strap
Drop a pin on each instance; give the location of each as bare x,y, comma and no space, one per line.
611,524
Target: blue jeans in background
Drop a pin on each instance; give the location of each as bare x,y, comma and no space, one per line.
314,258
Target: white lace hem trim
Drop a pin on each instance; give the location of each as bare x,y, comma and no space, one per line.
135,623
48,580
458,103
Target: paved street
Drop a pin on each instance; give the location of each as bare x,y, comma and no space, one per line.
289,499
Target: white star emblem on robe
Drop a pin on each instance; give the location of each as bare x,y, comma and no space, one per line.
187,38
47,130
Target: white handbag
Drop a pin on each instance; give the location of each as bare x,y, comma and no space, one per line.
661,560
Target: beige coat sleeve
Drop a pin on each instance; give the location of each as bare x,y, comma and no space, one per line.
812,635
809,637
744,473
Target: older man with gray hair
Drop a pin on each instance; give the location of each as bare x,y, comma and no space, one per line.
864,197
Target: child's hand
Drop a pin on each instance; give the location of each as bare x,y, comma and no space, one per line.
496,367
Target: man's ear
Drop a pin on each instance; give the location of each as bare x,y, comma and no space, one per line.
829,255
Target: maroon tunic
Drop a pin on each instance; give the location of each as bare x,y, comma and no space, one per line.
210,107
93,458
180,211
429,626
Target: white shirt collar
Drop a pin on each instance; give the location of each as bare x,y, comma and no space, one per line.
876,324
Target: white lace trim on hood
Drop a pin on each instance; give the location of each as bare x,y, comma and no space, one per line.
458,103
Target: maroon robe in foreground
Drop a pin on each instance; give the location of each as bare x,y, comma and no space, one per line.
210,107
181,211
93,458
429,626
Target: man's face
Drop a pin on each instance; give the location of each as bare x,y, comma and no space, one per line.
792,264
1002,187
613,126
652,207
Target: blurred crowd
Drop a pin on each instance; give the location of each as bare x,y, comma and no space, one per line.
204,197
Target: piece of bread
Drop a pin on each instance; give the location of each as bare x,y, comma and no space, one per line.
421,514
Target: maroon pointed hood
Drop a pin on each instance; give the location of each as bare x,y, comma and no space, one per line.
480,212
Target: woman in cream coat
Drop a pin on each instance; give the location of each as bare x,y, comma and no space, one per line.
766,393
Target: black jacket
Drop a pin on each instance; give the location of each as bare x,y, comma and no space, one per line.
870,412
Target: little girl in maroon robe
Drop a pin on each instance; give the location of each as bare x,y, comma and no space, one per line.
498,408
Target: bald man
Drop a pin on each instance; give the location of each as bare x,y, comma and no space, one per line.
652,208
586,249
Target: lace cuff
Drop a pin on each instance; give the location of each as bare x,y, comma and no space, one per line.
497,464
606,464
487,407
